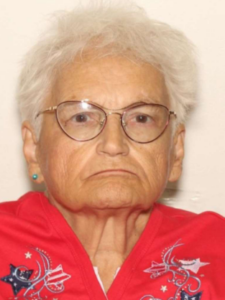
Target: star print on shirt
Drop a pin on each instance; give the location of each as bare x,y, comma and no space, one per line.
185,296
180,271
18,279
28,255
163,288
194,265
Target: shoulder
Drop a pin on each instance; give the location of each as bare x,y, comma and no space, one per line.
206,220
24,205
172,212
25,216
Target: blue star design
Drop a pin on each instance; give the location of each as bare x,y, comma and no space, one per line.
18,279
185,296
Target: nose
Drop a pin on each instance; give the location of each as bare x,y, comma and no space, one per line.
113,141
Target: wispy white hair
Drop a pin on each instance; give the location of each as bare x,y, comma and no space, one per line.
118,29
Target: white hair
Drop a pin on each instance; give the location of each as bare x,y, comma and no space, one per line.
117,29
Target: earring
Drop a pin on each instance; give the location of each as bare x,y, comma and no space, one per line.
35,176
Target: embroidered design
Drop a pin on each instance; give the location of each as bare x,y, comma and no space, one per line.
28,255
185,296
164,288
180,270
19,279
149,297
36,282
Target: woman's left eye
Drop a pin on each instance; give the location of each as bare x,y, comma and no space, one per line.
142,118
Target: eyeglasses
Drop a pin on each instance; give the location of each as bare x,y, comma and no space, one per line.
83,121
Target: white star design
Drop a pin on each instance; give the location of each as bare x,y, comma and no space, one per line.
28,255
193,266
163,288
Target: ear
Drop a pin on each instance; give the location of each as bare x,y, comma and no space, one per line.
30,149
177,154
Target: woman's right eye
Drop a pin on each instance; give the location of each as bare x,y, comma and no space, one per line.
80,118
84,118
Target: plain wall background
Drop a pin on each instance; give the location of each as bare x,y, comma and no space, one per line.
202,184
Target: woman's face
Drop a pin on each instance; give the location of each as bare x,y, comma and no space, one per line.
134,174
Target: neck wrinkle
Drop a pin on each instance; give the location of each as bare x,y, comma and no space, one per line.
106,232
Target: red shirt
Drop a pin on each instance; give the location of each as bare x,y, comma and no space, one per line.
179,256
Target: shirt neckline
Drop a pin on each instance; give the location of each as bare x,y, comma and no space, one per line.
121,282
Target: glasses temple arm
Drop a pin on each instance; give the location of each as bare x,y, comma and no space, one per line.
49,109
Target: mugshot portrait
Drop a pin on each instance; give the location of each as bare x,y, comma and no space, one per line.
112,150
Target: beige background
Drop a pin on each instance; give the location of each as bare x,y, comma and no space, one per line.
202,184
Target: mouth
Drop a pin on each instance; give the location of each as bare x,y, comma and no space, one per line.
114,172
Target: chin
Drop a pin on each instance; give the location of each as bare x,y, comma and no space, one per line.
115,197
108,203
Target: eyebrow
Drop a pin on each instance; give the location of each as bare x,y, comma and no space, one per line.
144,101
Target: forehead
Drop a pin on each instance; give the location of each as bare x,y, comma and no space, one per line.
111,81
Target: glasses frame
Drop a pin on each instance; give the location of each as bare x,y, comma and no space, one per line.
54,109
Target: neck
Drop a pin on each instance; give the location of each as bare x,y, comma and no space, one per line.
108,236
115,231
101,230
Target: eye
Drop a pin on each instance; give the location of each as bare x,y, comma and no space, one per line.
143,118
140,119
80,118
84,119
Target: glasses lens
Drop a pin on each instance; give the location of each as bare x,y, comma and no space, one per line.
80,120
145,123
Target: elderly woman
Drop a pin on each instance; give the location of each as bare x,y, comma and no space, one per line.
103,97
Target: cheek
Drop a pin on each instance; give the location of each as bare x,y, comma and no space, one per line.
57,161
63,161
53,165
162,162
156,163
158,167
